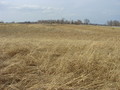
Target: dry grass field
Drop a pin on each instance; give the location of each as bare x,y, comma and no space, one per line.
59,57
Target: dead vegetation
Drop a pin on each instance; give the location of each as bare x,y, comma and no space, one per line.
59,57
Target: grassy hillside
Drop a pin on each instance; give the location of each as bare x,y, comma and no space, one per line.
59,57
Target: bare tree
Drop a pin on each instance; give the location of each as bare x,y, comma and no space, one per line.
110,23
78,22
86,21
116,23
113,23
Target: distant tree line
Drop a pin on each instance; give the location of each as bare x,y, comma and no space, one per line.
59,21
1,22
63,21
113,23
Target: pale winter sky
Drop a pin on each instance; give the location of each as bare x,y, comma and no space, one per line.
98,11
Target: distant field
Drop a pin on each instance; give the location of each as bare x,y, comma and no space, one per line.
59,57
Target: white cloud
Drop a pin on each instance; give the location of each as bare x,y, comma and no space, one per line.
3,2
26,7
3,5
37,7
51,9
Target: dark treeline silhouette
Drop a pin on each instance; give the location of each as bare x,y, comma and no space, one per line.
113,23
63,21
1,22
59,21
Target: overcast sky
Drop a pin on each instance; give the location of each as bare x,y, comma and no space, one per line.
98,11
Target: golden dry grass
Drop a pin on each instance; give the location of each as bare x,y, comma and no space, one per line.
59,57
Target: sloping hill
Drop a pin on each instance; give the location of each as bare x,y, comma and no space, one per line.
59,57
